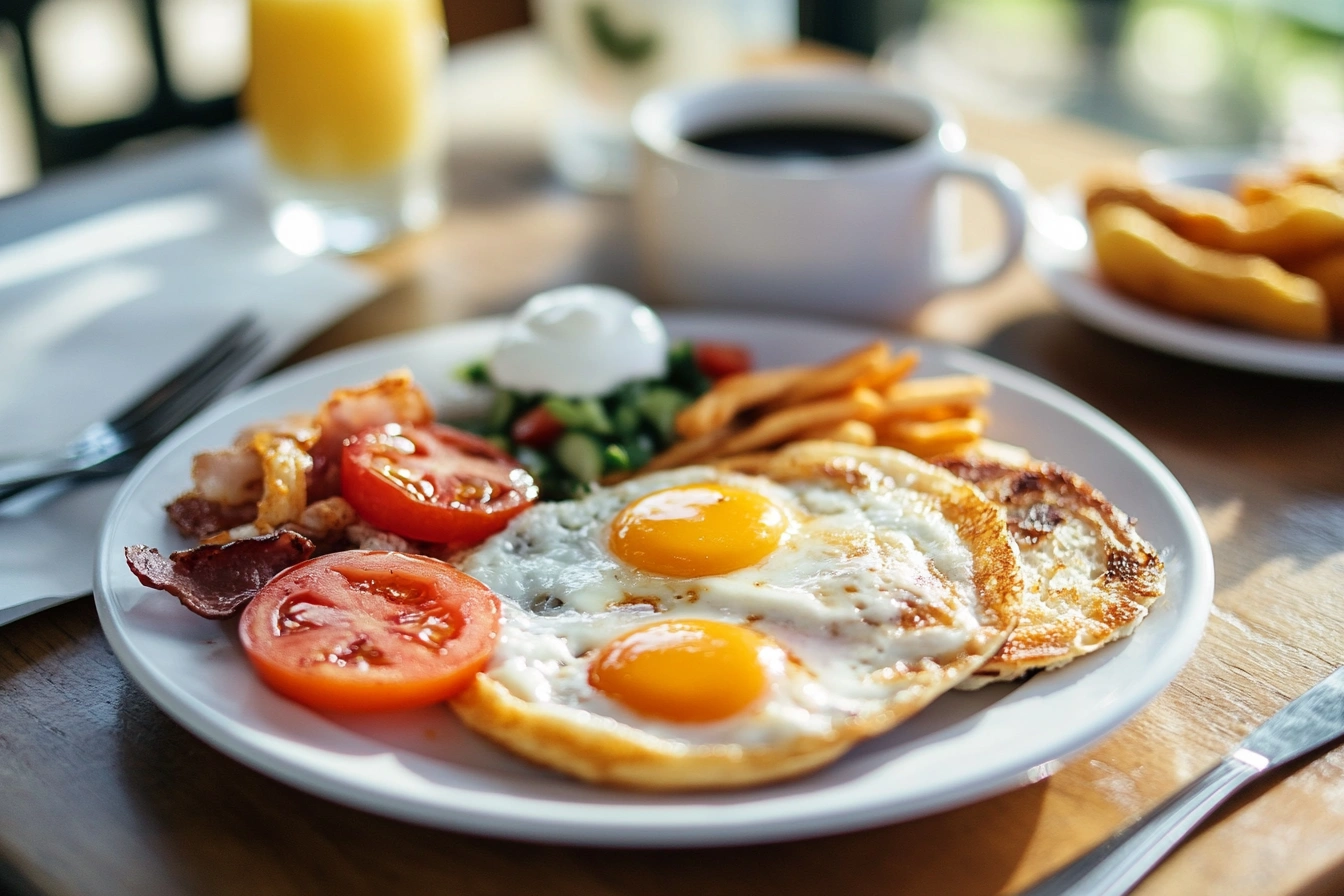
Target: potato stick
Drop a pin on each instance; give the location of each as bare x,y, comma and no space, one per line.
787,423
933,413
732,395
837,376
915,430
688,451
895,370
929,439
922,393
853,432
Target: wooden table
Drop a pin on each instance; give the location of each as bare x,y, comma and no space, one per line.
101,793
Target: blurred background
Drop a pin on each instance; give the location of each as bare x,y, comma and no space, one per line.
80,78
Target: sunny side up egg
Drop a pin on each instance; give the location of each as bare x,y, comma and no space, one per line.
704,627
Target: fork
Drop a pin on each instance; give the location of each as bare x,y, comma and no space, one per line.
110,446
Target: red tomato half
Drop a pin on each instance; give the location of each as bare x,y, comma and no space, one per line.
717,360
368,630
433,483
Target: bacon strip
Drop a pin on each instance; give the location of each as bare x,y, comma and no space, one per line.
197,517
227,476
215,581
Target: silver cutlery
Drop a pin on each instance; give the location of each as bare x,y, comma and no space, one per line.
114,445
1117,865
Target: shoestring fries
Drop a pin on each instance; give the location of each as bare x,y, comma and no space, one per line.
867,397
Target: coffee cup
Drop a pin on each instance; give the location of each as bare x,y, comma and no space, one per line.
827,196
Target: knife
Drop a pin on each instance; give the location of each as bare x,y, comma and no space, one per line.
1117,865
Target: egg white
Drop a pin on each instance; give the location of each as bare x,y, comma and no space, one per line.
877,599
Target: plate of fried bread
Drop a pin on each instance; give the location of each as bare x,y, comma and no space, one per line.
798,578
1218,256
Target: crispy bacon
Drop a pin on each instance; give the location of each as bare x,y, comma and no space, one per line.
393,399
272,472
228,476
215,581
197,517
284,481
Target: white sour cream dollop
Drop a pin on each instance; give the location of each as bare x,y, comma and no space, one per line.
579,341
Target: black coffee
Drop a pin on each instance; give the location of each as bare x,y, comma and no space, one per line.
801,141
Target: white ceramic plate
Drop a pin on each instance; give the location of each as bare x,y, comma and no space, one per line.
423,766
1059,249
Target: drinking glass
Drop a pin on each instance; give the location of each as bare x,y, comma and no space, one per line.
611,52
341,93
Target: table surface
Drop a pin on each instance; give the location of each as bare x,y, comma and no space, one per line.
103,793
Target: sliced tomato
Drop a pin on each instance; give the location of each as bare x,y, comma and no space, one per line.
717,360
370,630
538,428
433,483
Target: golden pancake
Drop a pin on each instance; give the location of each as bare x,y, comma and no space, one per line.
1089,577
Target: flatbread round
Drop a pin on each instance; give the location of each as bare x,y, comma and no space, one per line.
1089,577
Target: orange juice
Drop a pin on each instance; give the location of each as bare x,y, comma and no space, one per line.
341,88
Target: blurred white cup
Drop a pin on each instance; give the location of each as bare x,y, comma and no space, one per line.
867,236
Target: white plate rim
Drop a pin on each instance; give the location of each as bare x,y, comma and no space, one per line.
1070,275
532,820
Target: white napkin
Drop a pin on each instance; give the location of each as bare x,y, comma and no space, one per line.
95,312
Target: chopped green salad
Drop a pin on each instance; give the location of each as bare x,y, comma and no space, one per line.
567,444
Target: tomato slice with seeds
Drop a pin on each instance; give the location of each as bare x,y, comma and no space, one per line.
365,631
433,483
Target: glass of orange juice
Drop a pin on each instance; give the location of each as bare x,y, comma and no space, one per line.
341,93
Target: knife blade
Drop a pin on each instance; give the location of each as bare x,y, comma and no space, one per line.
1310,721
1116,866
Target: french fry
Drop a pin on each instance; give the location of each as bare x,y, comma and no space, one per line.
1298,219
936,412
930,439
1147,260
787,423
744,417
895,370
689,451
932,392
732,395
852,432
837,376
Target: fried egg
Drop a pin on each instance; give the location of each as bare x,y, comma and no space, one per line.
705,627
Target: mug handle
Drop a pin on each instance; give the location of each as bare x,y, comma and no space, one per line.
1006,183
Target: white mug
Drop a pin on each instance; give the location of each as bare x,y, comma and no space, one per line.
866,236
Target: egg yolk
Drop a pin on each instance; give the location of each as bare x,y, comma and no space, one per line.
693,670
697,530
